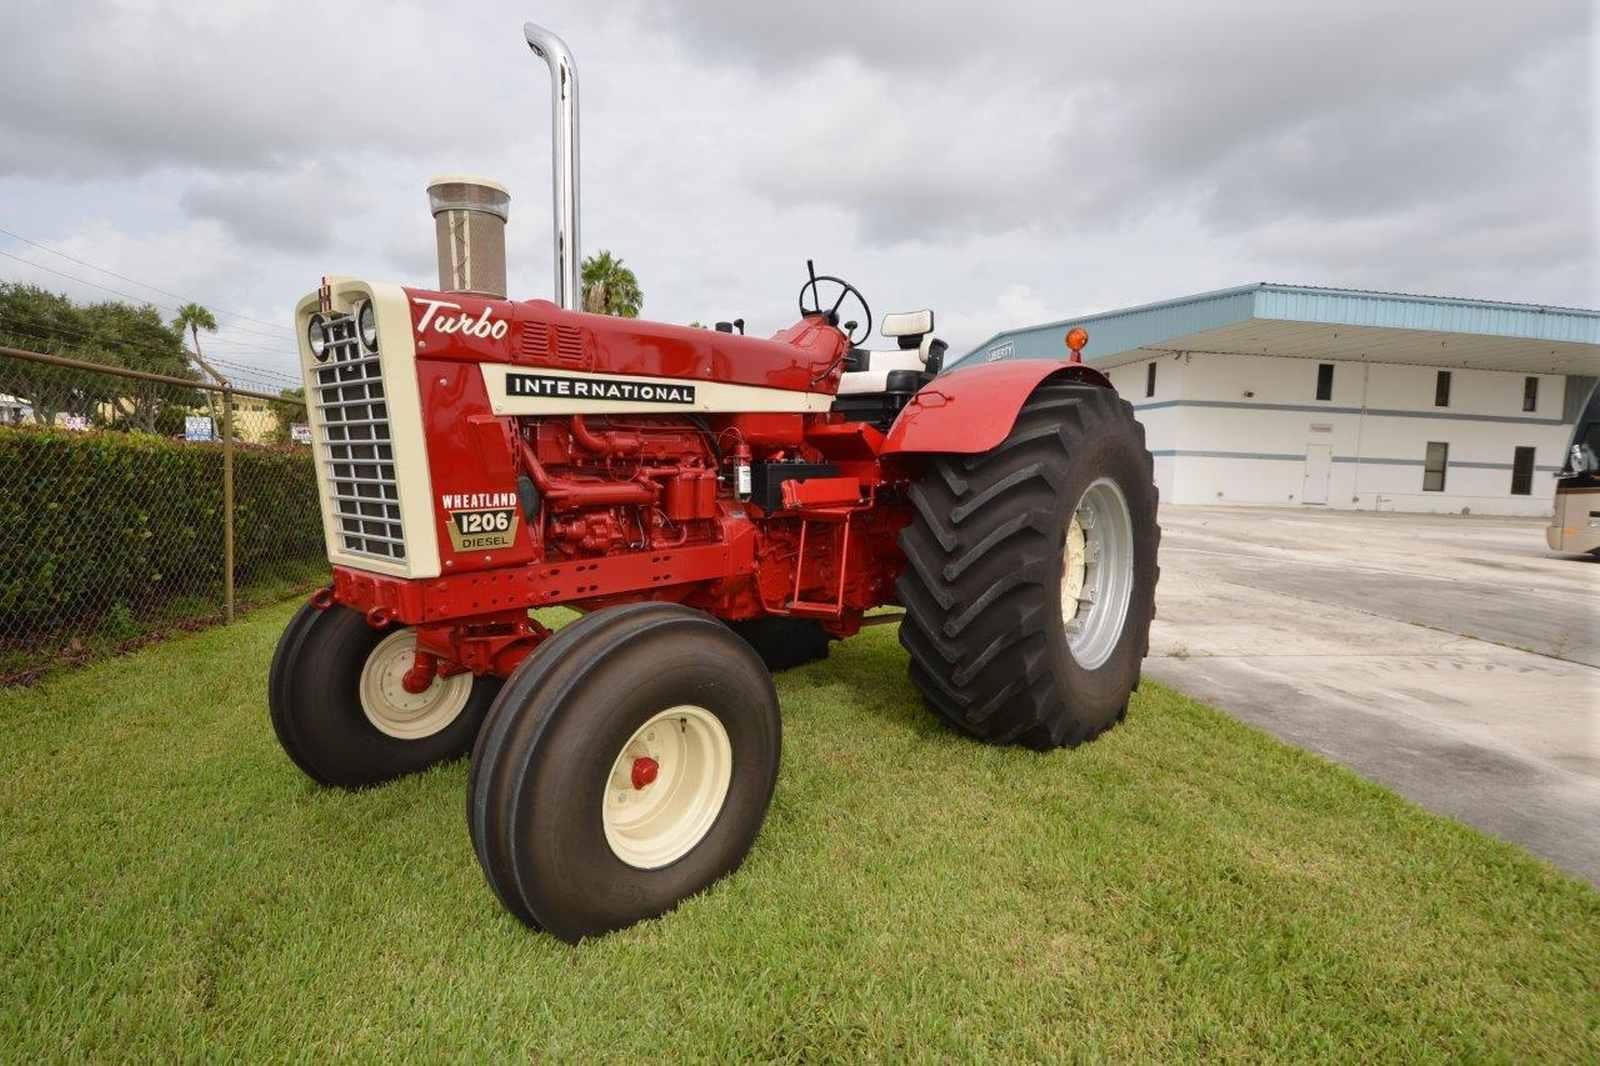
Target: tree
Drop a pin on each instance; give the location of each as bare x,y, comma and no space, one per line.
194,318
40,321
289,409
112,333
136,338
609,287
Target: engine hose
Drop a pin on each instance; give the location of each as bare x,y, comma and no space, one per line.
569,495
610,443
711,438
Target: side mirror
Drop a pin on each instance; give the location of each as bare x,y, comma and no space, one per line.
1582,460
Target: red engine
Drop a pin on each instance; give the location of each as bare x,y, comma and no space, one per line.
583,460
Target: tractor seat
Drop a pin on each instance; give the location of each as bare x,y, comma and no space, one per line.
875,378
918,350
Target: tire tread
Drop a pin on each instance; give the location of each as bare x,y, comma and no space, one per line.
980,552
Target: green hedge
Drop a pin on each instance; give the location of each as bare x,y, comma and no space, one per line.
98,523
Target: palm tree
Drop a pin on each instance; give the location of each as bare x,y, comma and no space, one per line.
194,318
609,288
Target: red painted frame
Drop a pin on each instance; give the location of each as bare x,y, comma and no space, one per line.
832,537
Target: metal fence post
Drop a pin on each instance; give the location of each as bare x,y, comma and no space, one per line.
227,503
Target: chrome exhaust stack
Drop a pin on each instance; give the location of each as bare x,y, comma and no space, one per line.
563,159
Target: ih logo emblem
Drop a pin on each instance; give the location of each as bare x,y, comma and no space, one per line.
481,520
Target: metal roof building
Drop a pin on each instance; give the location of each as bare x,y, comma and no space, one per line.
1298,395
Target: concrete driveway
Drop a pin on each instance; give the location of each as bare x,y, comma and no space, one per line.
1453,659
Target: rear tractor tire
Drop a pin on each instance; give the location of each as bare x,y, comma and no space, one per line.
628,763
341,714
1031,573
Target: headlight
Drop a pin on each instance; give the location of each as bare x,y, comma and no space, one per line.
367,325
317,336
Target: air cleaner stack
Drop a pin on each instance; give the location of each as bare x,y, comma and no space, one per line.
469,218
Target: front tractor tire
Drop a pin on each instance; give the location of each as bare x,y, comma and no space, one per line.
1031,573
341,713
628,763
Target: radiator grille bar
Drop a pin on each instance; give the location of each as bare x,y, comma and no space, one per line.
355,449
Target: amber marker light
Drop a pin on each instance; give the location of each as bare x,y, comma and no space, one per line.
1077,337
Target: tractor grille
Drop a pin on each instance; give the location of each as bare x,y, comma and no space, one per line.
356,450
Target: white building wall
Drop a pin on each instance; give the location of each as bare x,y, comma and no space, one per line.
1161,420
1236,429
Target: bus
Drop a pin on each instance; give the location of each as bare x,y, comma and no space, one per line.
1575,524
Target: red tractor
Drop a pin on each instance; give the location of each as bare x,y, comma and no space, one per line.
717,507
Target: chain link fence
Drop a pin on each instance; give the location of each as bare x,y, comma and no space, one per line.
115,530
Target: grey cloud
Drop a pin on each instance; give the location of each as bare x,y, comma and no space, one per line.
295,211
1248,111
1015,160
103,88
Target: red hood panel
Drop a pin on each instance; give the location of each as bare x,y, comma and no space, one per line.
459,326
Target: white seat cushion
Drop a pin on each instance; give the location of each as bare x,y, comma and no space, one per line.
876,377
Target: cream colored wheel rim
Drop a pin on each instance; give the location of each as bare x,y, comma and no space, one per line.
408,715
1097,573
651,826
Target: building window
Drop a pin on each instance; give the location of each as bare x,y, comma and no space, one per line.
1150,379
1441,389
1324,381
1530,394
1433,466
1522,470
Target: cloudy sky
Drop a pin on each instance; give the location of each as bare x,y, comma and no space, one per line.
1004,163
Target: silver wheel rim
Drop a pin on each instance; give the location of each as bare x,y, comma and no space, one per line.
408,715
651,825
1097,573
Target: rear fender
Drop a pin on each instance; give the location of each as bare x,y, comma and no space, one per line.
972,409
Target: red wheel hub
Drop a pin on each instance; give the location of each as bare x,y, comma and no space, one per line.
644,771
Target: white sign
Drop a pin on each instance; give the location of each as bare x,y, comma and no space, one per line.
77,422
300,433
1004,351
196,427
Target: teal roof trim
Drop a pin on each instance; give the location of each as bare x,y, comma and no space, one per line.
1149,325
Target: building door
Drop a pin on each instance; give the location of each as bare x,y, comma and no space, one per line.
1319,467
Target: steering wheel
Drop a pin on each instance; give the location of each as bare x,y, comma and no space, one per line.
832,313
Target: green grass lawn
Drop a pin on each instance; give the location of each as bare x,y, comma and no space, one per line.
171,887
